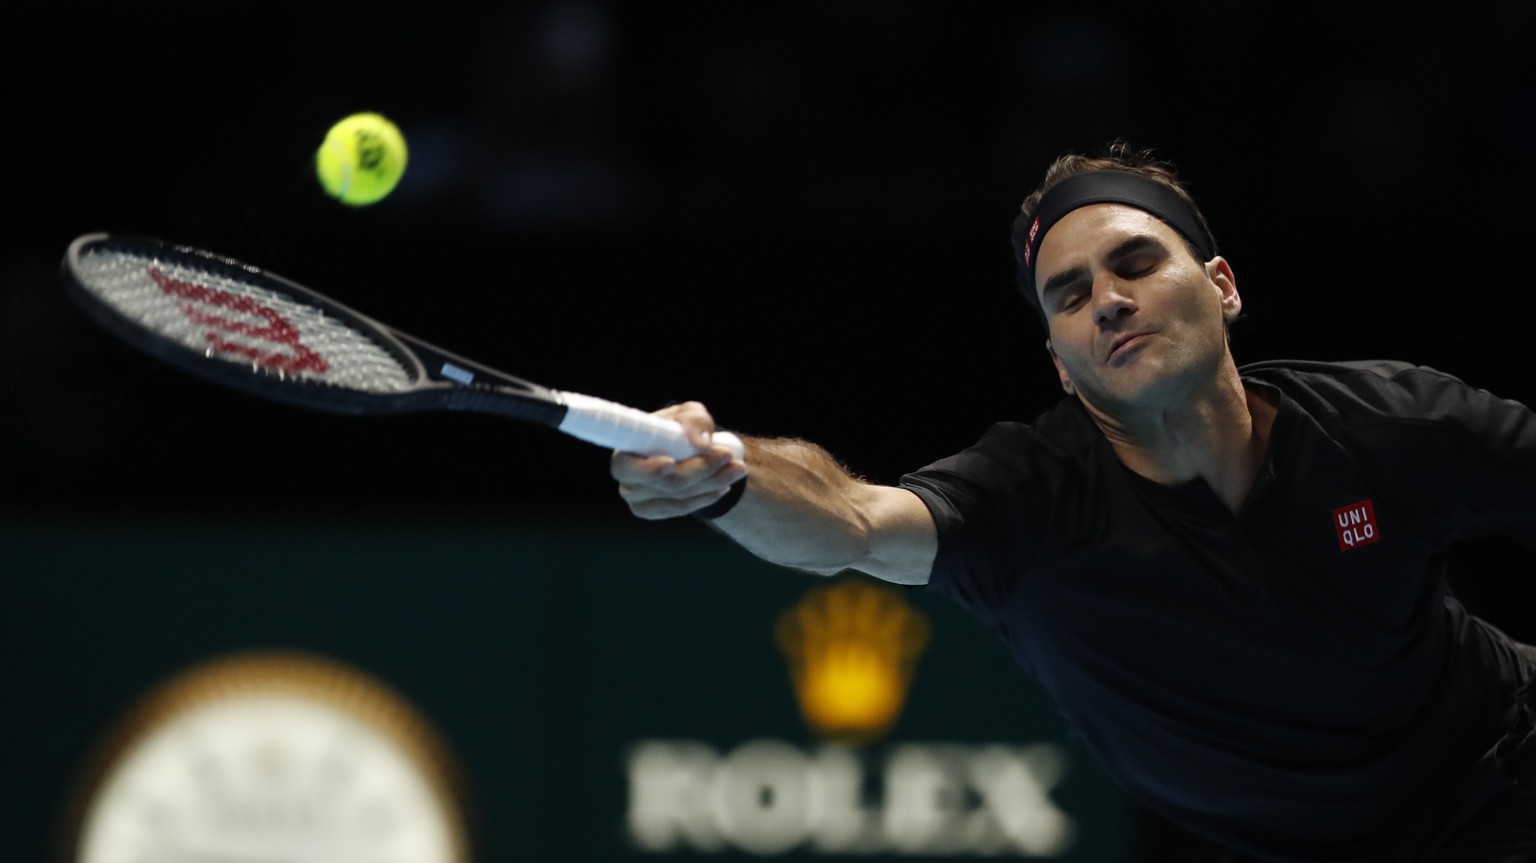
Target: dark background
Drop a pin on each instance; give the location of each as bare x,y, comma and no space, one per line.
797,213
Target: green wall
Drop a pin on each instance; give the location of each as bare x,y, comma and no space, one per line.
553,660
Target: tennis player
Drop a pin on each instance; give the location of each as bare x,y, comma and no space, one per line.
1230,578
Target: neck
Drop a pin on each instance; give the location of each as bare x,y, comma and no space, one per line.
1219,433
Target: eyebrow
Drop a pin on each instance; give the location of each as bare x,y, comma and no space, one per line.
1068,277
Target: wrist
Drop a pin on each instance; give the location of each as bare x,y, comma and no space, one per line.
726,502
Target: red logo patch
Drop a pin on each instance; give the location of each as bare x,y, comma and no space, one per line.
1356,525
1029,244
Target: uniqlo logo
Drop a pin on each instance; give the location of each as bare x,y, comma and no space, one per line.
1356,525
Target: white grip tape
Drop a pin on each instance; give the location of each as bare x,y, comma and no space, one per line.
628,429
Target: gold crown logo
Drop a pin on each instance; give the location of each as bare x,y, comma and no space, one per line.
852,647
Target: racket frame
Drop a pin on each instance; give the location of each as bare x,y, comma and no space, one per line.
438,379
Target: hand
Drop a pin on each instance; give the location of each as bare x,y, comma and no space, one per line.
658,487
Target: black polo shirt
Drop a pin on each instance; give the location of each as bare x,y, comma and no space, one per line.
1292,679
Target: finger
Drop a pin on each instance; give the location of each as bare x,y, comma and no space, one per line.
704,475
645,504
630,468
702,468
696,421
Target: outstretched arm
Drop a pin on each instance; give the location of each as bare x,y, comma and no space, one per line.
800,508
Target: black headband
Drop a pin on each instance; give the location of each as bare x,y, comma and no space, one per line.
1113,186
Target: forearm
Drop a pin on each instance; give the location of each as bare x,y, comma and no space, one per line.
803,509
800,507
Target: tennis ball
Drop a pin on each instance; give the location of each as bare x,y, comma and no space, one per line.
361,159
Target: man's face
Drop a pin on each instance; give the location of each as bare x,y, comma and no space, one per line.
1136,322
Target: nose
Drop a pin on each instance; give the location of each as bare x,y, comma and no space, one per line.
1111,302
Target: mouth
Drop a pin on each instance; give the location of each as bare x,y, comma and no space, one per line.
1125,343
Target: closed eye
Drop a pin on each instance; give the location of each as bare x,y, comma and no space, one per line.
1073,299
1136,257
1137,267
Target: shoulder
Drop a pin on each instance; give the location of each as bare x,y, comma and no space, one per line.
1019,477
996,503
1011,454
1364,389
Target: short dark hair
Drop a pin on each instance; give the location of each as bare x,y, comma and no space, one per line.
1117,155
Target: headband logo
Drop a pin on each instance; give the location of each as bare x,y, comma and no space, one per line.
1029,245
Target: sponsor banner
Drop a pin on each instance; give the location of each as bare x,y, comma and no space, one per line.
615,695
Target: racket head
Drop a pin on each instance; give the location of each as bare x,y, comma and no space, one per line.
240,326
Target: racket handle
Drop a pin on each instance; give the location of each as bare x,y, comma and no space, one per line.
628,429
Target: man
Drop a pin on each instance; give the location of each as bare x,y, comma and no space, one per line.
1230,579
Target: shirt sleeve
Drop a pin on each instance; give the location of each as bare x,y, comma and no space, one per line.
990,508
1491,446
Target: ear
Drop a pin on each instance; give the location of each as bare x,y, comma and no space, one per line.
1061,370
1220,273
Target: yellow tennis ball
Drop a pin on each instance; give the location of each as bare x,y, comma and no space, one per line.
361,159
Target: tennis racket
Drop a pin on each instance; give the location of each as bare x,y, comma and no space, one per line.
243,327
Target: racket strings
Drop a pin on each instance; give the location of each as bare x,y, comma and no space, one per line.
217,313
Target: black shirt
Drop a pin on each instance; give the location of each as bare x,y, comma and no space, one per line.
1294,679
